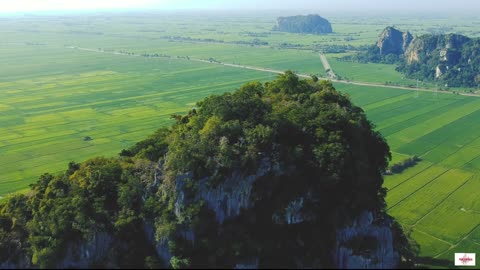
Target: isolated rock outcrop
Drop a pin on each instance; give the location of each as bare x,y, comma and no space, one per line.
450,58
310,24
392,41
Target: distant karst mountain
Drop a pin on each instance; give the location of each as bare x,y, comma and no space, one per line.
393,41
452,59
310,24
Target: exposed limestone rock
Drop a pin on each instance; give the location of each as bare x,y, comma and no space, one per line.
412,54
443,55
161,246
439,71
82,255
292,214
446,47
228,198
383,256
392,41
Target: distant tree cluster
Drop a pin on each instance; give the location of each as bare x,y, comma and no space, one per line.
253,42
371,54
403,165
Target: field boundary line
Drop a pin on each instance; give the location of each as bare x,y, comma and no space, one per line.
413,176
438,163
385,99
439,239
455,152
281,72
409,195
443,200
458,243
446,137
420,115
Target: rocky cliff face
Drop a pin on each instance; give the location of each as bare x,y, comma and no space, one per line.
380,254
228,199
446,48
85,254
392,41
450,58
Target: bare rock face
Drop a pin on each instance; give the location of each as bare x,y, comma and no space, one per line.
393,41
413,52
376,250
439,71
227,199
446,48
83,255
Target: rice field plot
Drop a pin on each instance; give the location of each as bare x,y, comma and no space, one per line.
365,96
399,140
459,248
370,72
455,217
114,102
475,235
426,110
393,181
405,186
428,198
53,97
436,145
421,202
431,246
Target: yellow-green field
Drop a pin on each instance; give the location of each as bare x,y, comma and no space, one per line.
438,198
54,94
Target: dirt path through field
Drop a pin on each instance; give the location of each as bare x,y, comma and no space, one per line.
327,67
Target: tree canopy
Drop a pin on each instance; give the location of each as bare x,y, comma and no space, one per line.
330,155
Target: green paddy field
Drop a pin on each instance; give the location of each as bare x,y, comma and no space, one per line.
54,95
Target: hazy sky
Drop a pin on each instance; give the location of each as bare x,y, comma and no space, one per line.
314,5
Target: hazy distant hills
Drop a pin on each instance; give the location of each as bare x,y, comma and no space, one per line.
310,24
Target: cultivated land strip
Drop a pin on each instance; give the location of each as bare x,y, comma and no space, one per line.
442,200
403,113
439,239
281,72
458,243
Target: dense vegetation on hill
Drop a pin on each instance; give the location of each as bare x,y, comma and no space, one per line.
310,24
453,60
325,168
